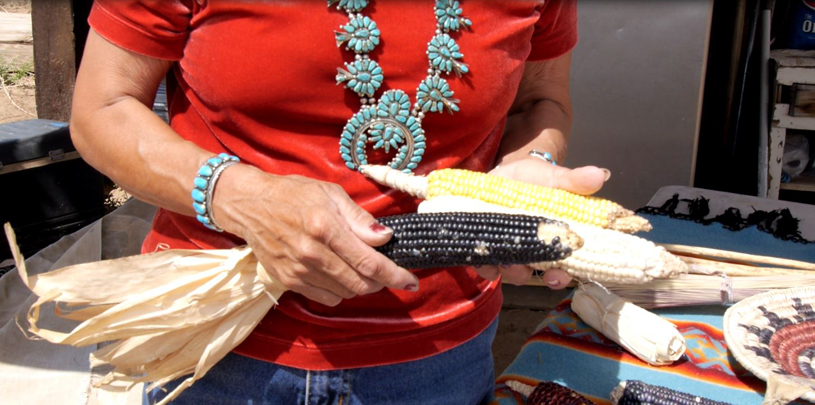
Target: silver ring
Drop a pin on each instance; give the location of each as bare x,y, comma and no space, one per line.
543,156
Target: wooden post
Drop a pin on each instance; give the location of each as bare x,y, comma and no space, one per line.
55,61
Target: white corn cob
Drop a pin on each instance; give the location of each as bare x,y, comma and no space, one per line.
606,256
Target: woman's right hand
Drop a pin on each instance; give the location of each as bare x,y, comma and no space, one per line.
308,234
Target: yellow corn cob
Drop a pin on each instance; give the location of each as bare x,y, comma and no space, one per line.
538,200
606,255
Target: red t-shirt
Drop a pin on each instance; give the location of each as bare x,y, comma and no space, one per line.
256,79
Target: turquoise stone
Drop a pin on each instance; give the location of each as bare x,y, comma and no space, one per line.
345,150
204,220
198,195
205,171
363,33
350,165
201,209
346,157
345,142
201,183
364,77
214,161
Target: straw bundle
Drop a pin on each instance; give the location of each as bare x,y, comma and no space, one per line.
697,289
773,336
646,335
717,277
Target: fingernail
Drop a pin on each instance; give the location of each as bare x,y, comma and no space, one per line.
607,173
553,283
379,228
412,287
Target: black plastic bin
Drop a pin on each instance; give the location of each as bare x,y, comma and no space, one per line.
46,190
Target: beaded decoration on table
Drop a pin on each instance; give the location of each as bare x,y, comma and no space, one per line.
391,122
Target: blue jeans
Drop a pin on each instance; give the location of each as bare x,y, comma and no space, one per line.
463,375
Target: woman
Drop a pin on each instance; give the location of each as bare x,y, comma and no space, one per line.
259,81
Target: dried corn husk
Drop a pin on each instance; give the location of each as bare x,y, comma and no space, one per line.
169,314
646,335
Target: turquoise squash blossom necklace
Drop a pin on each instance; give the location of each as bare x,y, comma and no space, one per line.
391,123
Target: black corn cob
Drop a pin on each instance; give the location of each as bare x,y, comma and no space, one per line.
639,393
448,239
549,392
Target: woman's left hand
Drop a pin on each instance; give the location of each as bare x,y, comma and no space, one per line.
582,180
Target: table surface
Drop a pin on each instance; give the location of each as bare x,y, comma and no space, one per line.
569,352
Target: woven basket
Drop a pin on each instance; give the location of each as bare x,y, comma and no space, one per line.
773,336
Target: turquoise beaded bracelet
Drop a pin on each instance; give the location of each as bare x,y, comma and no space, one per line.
205,184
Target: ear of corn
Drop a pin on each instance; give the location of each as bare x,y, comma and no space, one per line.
548,392
471,239
639,393
606,255
545,201
646,335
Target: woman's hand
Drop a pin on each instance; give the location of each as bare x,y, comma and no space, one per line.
308,234
583,180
